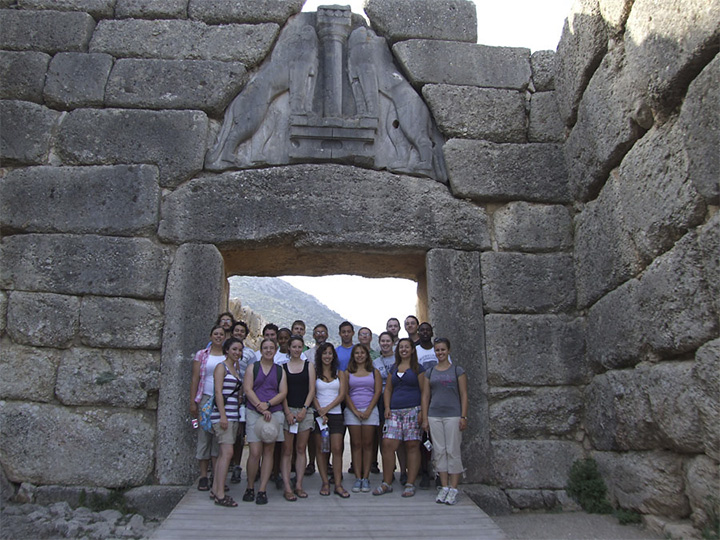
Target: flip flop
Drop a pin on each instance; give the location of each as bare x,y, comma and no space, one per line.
289,496
300,492
325,490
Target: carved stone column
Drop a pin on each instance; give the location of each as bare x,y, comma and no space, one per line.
333,25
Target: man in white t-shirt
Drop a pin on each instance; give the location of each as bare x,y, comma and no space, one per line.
425,350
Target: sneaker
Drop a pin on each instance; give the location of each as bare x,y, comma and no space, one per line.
357,486
442,495
374,468
236,475
451,496
425,481
365,485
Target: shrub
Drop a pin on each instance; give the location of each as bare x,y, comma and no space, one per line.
587,487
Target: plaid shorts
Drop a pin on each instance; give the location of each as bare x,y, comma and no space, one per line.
403,425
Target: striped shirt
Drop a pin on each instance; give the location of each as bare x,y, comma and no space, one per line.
231,393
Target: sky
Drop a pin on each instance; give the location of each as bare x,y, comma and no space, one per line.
535,24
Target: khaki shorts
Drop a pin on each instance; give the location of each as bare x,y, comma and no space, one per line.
251,417
307,423
226,436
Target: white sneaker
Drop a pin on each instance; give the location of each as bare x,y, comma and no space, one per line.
442,495
451,496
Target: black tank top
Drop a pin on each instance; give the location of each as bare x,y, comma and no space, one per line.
298,384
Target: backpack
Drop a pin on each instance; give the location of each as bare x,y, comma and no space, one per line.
278,371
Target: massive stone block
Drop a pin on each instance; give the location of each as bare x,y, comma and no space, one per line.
529,283
28,373
426,61
542,64
398,20
469,112
534,413
534,464
111,377
151,9
120,323
120,200
706,377
645,408
88,446
22,75
536,350
42,319
545,124
174,84
192,301
192,40
97,8
647,482
172,140
522,226
3,312
456,312
231,11
77,80
615,13
47,31
709,244
26,131
68,264
216,209
668,43
702,478
489,172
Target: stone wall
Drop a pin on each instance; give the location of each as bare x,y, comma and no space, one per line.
572,259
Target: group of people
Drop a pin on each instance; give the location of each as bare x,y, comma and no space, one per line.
281,394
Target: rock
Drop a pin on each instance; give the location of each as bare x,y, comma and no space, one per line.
121,200
521,226
544,350
92,446
100,9
100,530
426,61
178,40
117,378
3,312
47,31
151,9
469,112
487,172
542,64
706,377
28,373
702,477
87,264
490,499
545,122
60,509
530,283
531,499
533,464
174,84
615,14
172,140
111,516
120,323
26,131
7,491
568,504
42,319
154,502
25,494
73,495
709,245
230,11
77,80
22,75
398,20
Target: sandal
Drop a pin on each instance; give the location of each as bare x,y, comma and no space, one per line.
289,496
227,500
342,492
325,490
409,490
249,495
300,492
382,489
203,484
261,498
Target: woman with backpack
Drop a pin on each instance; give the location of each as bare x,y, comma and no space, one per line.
445,413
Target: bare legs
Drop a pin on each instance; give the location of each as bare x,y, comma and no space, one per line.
336,448
361,445
289,445
221,469
412,452
257,450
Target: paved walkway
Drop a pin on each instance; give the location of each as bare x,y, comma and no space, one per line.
361,516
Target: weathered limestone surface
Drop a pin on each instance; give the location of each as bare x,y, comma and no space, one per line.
470,112
528,283
3,312
154,502
521,226
193,297
542,64
117,445
120,200
667,43
545,124
77,80
426,61
702,479
28,373
536,350
47,31
292,203
231,11
532,499
115,378
398,20
96,8
534,464
172,140
22,75
615,13
174,84
647,482
43,319
706,377
455,312
709,244
151,9
69,264
26,131
488,172
534,413
645,408
120,323
491,499
178,39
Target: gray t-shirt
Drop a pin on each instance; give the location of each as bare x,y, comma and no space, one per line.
444,391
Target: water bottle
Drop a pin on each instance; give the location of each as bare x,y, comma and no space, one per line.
325,445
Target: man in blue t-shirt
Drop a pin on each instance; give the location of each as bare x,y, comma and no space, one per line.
347,331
